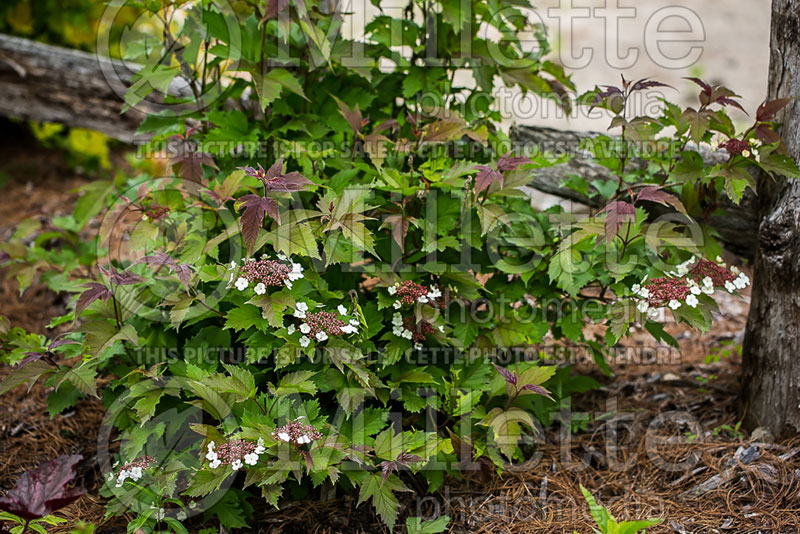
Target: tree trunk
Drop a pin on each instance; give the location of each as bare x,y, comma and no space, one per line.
771,352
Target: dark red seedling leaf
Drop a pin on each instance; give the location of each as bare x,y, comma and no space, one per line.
539,390
618,213
486,176
42,491
95,291
510,163
255,207
648,84
768,110
509,377
655,194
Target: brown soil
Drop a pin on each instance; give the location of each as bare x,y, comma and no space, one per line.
758,496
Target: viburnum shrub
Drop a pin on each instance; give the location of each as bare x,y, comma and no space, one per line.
341,283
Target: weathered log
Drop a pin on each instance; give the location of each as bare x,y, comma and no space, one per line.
47,83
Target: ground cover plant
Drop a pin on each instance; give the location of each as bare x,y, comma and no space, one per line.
338,282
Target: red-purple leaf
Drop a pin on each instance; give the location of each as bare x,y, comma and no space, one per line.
510,163
648,84
655,194
95,291
189,163
768,110
767,135
255,207
617,214
509,377
486,176
274,7
706,88
42,491
725,101
120,278
539,390
293,181
184,272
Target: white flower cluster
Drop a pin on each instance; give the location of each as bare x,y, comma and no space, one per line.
740,282
134,473
231,454
344,325
398,329
241,283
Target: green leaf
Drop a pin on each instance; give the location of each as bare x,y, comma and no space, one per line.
297,382
244,317
415,525
207,481
383,499
29,373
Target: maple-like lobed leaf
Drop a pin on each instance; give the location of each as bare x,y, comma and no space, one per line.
726,101
485,177
706,88
255,207
120,278
41,491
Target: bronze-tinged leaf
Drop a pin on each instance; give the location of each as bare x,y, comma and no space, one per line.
399,225
485,177
352,116
768,110
255,207
273,9
95,291
767,135
706,88
42,491
617,213
656,194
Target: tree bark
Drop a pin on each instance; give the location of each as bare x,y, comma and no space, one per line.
771,351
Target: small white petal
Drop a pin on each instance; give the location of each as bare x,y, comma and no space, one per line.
304,341
674,304
304,328
321,336
291,330
392,290
260,288
342,310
